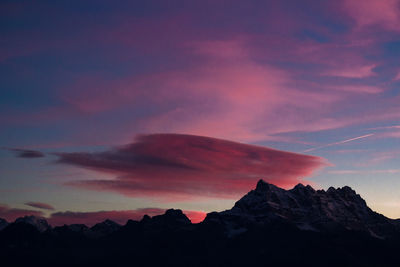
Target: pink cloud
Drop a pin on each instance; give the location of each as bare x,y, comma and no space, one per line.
232,95
359,89
10,214
175,167
231,88
353,71
119,216
227,94
385,13
397,77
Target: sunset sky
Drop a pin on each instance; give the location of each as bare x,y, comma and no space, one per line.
114,109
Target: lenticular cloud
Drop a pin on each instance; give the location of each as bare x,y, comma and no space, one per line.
176,167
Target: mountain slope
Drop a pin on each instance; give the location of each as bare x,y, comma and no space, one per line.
3,224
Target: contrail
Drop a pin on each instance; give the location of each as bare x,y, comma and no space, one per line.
340,142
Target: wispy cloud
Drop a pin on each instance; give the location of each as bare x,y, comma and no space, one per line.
388,171
353,71
385,127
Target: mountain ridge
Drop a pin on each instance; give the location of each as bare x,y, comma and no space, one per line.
269,226
266,202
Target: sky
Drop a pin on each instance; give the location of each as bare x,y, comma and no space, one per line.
116,109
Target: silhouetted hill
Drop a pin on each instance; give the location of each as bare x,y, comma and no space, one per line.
269,226
3,224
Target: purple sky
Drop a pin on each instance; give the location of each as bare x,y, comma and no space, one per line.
127,106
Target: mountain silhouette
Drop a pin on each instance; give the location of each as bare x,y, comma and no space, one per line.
269,226
307,209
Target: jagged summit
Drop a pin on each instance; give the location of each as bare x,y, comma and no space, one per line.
263,186
306,208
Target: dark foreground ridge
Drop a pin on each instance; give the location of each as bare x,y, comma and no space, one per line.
269,226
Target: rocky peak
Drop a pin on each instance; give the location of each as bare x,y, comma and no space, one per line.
146,218
174,216
171,217
39,223
299,186
346,193
308,187
175,213
302,189
263,186
346,190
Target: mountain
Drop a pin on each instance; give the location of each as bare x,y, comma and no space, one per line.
39,223
172,218
105,228
306,208
269,226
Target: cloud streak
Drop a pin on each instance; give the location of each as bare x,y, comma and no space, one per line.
387,171
40,205
26,153
176,167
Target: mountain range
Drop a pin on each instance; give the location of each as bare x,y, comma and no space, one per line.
269,226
